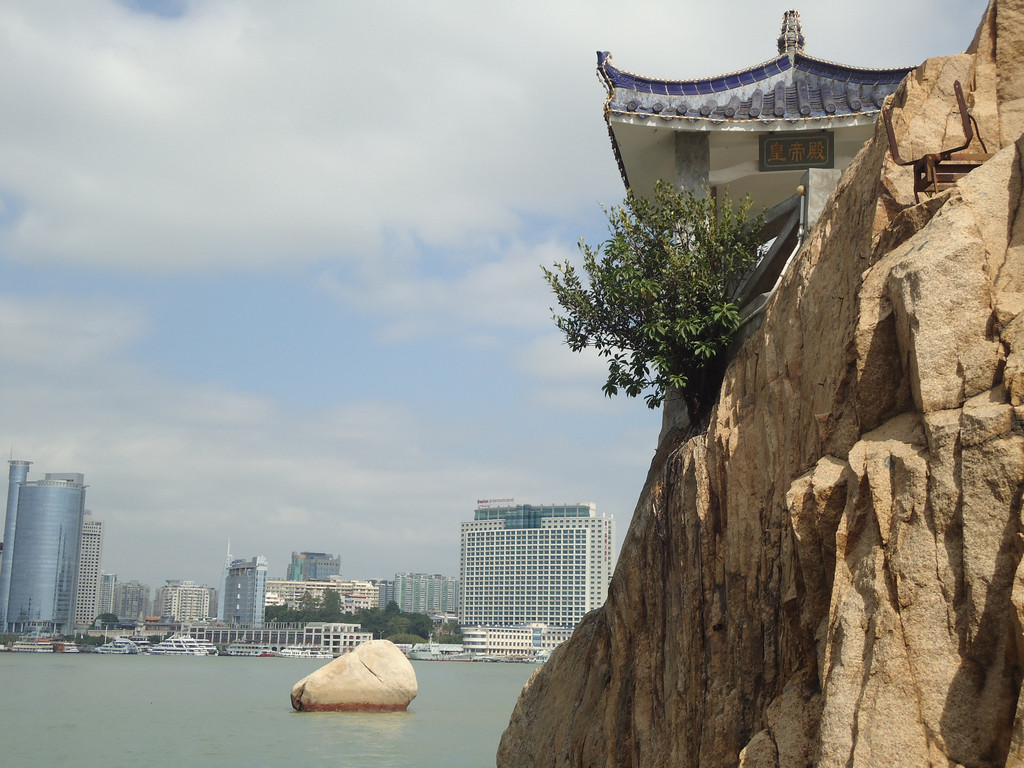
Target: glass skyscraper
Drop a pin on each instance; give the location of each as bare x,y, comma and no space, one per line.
42,544
313,566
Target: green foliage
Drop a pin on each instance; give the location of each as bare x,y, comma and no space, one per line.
656,299
406,637
330,606
449,632
326,607
281,614
107,621
383,623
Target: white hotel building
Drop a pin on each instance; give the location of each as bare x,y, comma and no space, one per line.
523,641
522,564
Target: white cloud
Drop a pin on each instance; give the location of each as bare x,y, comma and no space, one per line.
60,332
470,298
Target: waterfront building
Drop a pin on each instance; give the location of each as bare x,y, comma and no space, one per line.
130,600
355,595
87,604
313,566
245,592
338,638
183,600
523,564
42,537
426,593
524,641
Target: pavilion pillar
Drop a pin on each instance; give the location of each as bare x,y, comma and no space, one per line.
818,184
693,161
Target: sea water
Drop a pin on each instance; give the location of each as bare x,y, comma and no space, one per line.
94,710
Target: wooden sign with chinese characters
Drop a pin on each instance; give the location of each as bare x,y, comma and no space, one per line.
795,151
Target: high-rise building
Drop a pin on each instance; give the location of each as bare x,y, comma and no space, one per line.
183,601
426,593
385,592
42,538
313,566
522,564
105,594
245,592
130,600
87,600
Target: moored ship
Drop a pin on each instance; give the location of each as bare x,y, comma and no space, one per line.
183,645
33,645
304,652
120,645
249,649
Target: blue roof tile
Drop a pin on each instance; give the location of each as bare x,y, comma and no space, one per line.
805,87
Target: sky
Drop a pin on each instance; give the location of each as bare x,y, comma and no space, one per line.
270,272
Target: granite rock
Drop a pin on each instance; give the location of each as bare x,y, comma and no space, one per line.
375,677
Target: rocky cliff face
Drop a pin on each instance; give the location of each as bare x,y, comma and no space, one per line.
832,575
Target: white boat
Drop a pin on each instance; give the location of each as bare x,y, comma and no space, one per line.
141,642
65,646
33,645
304,652
435,651
248,649
183,645
119,645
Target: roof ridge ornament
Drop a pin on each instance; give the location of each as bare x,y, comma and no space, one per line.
791,40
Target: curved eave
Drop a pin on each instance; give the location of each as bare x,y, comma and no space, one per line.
841,73
619,79
801,89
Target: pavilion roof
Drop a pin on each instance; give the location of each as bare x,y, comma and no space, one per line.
793,87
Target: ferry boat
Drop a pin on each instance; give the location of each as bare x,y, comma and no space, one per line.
183,645
33,645
249,649
65,646
121,646
304,652
141,642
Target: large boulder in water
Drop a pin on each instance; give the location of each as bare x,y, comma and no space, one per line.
375,677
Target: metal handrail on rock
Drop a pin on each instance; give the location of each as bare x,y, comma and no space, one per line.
937,171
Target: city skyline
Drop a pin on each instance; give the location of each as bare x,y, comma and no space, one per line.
293,558
271,274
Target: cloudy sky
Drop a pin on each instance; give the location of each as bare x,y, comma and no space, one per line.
269,272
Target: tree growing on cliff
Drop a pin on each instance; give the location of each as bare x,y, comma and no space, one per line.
656,299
